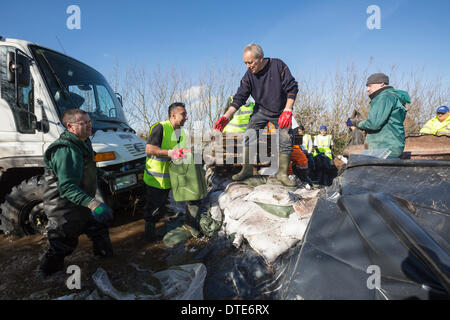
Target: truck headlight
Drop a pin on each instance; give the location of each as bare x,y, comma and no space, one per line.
123,182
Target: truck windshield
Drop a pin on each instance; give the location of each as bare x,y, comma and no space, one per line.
75,85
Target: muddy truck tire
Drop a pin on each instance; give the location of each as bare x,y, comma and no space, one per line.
22,212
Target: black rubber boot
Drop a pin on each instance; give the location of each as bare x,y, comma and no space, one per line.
191,214
103,248
51,264
150,231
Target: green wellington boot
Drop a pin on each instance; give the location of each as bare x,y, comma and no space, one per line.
283,167
247,168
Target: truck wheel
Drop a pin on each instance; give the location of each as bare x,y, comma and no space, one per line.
22,213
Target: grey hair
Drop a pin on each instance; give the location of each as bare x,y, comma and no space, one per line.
256,49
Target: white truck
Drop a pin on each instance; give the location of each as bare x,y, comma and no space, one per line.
37,85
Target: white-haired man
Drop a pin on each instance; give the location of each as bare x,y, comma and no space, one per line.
270,82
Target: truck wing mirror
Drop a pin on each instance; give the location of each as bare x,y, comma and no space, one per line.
20,65
119,96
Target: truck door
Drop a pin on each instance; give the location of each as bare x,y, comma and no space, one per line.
20,144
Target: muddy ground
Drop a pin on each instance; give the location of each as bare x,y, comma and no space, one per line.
19,261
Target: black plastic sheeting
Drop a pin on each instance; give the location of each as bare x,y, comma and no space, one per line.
392,217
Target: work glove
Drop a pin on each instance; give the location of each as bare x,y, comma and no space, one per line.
285,120
352,122
177,154
221,123
349,123
100,211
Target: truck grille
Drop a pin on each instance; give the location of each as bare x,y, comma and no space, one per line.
136,149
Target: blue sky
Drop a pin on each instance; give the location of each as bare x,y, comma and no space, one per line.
310,36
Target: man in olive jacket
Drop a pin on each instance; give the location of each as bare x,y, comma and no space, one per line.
69,194
384,125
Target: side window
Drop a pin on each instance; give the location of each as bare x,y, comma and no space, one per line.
24,107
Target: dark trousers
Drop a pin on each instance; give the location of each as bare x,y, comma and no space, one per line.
259,121
63,233
155,200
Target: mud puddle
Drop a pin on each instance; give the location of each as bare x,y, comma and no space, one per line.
19,261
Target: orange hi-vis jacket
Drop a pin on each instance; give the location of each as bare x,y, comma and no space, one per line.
299,158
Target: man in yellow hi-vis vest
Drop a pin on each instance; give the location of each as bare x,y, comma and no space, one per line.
323,164
240,119
166,142
323,143
439,125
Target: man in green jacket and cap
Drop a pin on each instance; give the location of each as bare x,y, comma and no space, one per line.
69,194
384,125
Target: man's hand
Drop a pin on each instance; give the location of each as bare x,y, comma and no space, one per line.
285,120
100,211
221,123
177,154
352,122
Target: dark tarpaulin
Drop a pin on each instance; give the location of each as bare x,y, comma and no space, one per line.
391,214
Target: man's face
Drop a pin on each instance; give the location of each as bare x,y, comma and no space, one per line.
443,116
179,116
301,132
81,127
253,64
323,132
371,88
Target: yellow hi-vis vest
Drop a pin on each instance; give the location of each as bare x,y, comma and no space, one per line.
323,143
156,172
307,143
434,126
240,119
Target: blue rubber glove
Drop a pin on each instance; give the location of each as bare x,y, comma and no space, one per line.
349,123
100,211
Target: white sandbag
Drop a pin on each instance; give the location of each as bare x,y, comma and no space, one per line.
305,207
238,208
238,190
304,193
273,195
216,213
294,228
224,200
270,245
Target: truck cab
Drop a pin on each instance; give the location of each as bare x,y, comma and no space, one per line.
37,85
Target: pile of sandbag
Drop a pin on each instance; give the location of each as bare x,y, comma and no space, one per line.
272,218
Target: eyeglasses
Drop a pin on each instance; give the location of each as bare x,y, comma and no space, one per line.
89,122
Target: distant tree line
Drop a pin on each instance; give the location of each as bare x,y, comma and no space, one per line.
327,100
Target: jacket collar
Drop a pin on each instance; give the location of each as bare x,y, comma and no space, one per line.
373,95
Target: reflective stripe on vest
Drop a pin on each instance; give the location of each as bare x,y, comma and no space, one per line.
156,172
240,119
323,143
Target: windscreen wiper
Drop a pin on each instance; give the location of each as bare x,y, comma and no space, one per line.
115,121
58,81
